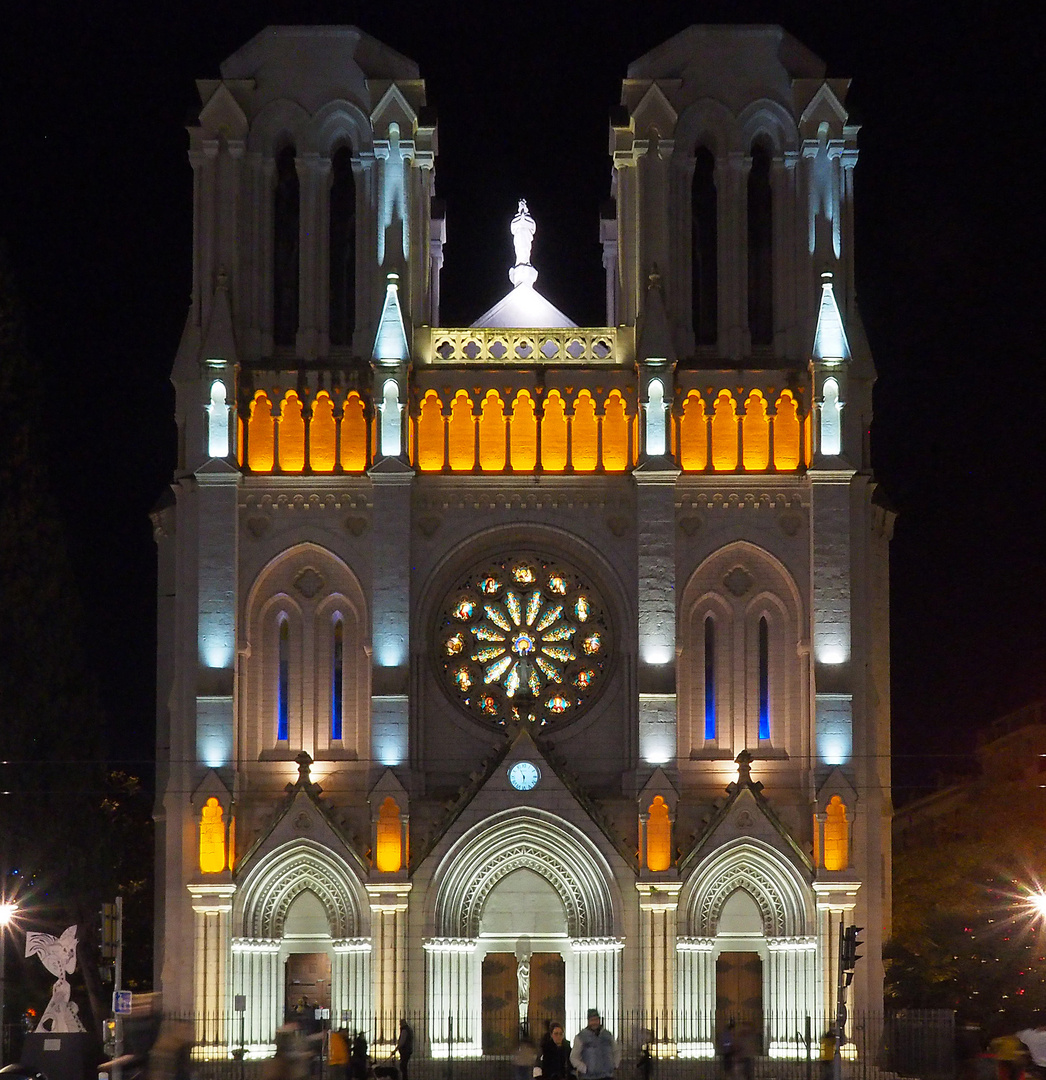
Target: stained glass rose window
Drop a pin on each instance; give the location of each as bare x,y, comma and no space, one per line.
524,638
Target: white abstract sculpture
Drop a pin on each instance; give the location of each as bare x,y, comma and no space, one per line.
58,955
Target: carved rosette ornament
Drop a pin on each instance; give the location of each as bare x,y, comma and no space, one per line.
523,639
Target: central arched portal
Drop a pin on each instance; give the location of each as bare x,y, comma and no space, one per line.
525,931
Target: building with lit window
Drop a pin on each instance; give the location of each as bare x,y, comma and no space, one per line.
522,667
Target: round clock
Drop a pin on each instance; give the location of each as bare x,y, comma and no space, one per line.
523,776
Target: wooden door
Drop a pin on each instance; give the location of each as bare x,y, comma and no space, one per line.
500,1008
548,979
739,994
308,976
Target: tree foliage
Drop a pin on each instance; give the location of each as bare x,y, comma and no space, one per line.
72,830
965,934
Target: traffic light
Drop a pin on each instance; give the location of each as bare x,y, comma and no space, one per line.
108,931
850,954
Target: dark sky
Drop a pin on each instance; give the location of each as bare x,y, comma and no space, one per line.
95,204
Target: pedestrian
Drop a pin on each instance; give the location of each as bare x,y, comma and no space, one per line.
359,1061
554,1061
744,1052
828,1054
405,1047
727,1048
524,1060
595,1055
338,1054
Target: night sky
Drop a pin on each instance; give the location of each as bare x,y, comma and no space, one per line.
95,204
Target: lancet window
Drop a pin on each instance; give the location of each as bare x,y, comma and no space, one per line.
342,248
711,725
836,835
212,838
285,218
658,836
337,677
704,249
283,676
388,846
760,248
764,679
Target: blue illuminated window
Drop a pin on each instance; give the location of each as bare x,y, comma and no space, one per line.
283,725
336,678
710,717
764,680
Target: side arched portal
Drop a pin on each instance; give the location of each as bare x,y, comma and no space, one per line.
746,898
330,922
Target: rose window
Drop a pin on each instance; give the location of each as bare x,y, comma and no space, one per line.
524,639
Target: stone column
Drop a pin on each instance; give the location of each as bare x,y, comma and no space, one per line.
211,904
791,978
454,980
835,900
597,983
351,983
695,997
658,904
256,974
388,907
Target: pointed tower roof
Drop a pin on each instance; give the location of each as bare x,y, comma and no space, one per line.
524,307
830,342
390,342
654,340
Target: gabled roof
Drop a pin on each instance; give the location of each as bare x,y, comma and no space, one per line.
746,812
302,813
526,309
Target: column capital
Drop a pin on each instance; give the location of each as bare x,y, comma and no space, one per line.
835,895
212,898
388,896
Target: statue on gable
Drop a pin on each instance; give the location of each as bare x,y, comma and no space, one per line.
523,229
58,955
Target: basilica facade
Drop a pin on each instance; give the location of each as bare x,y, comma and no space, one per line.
523,667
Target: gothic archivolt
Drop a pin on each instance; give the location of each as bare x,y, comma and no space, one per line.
514,840
776,887
273,885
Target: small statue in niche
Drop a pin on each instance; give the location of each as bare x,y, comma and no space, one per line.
58,955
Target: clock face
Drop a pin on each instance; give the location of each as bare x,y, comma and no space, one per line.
523,776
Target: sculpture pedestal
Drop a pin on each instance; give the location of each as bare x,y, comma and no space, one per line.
62,1055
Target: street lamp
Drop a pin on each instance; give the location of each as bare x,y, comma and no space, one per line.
7,913
1038,901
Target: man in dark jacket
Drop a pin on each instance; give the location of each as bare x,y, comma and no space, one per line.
595,1055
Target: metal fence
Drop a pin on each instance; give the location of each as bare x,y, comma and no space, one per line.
877,1045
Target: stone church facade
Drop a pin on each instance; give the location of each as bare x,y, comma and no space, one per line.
521,666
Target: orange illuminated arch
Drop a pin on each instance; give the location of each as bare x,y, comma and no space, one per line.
292,434
430,433
755,434
353,434
212,838
836,835
693,434
524,433
584,436
492,433
658,836
322,434
724,433
615,433
388,855
461,438
554,434
786,433
260,434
